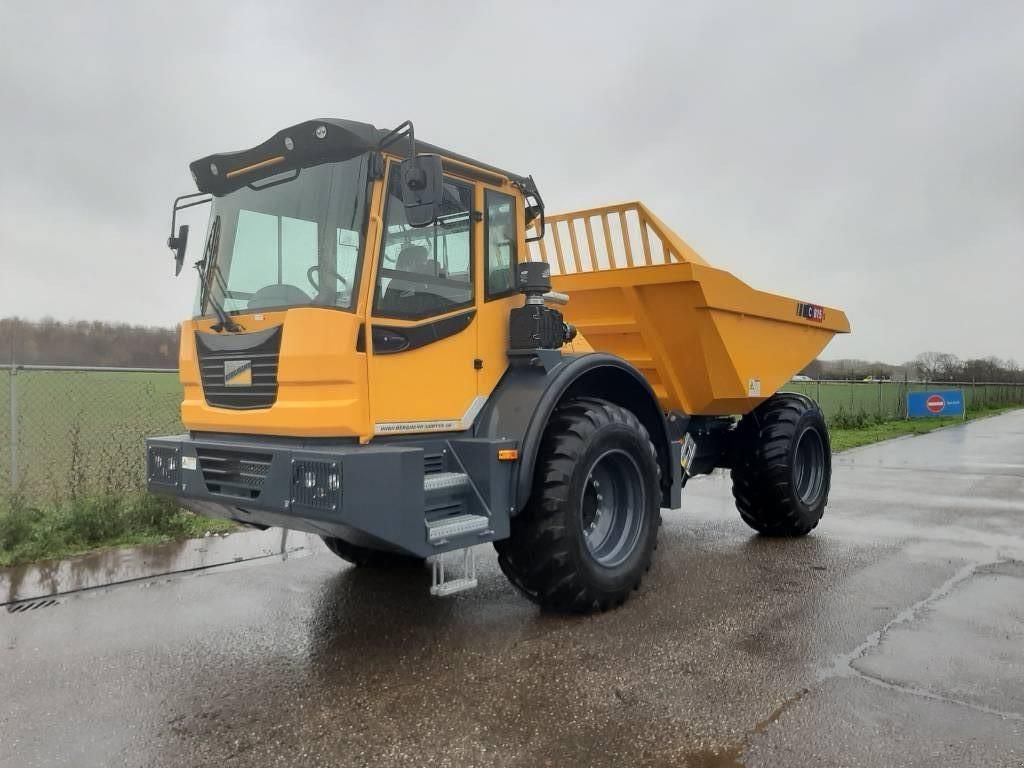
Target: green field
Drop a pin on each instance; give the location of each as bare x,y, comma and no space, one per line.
80,437
82,433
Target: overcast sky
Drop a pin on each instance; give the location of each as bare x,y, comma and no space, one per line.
864,155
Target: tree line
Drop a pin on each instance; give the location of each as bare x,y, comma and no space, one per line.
85,342
927,366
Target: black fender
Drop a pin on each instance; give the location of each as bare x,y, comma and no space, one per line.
521,405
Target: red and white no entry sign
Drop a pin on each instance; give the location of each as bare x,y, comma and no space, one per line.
935,403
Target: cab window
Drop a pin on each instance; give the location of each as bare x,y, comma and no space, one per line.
500,233
428,270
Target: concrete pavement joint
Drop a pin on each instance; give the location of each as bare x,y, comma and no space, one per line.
843,666
913,691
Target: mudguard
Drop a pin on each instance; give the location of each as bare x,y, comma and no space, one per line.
535,383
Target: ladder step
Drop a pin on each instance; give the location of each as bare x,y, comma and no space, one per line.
441,585
445,481
453,586
457,525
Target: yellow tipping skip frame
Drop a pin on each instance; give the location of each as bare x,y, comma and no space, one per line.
706,341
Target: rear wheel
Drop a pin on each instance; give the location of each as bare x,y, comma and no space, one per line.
588,535
782,467
366,557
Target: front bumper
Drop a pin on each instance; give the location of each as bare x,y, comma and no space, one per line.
372,495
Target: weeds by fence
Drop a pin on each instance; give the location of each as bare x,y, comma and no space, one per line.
77,433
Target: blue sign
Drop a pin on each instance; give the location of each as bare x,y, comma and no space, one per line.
944,402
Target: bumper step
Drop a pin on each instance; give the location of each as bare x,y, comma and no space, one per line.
445,481
458,525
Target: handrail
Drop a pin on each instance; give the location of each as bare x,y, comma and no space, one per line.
628,235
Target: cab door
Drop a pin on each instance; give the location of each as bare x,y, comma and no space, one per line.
423,316
502,235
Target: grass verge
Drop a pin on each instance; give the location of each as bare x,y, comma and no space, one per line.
29,533
844,438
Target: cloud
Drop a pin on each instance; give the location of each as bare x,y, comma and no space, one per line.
862,155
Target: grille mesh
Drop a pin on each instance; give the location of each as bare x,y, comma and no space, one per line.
433,463
234,473
256,364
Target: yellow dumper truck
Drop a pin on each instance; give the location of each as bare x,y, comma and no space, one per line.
396,348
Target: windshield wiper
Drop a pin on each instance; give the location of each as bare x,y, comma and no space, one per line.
208,269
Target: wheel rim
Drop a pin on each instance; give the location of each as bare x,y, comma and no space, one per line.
809,469
611,510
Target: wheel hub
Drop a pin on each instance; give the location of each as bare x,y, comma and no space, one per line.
809,467
611,512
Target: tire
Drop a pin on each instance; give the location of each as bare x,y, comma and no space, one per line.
782,466
364,557
577,546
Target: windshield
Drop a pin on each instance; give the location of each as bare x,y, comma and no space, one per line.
288,243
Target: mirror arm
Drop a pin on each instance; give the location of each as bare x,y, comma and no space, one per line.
177,242
179,207
530,190
404,129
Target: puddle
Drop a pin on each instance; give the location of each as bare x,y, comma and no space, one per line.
114,566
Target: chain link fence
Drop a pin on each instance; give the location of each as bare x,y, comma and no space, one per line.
68,432
853,403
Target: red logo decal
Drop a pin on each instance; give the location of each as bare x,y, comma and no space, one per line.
935,403
810,312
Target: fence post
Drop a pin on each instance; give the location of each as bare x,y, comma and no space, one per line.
14,429
901,405
13,380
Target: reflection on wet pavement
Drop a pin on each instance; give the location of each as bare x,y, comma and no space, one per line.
114,566
891,636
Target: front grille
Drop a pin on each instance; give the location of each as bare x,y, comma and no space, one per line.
233,473
239,370
433,463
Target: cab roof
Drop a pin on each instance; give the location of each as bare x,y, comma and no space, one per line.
324,140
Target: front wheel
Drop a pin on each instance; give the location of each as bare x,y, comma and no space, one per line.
587,536
782,466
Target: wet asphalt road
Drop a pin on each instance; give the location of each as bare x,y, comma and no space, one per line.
892,636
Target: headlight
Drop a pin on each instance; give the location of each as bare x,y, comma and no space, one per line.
316,484
163,465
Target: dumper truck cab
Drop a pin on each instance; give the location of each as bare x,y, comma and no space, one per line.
395,347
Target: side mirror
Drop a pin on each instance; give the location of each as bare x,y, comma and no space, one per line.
178,245
422,188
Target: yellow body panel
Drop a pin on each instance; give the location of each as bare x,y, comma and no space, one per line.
322,383
429,389
706,341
